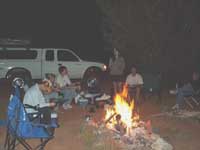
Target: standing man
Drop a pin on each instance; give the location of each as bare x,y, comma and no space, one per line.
116,67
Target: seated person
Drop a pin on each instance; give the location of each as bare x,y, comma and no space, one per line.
134,81
66,87
187,89
55,90
35,97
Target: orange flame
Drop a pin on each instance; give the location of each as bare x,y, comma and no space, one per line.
124,92
124,109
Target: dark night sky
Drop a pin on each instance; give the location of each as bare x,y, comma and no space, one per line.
74,24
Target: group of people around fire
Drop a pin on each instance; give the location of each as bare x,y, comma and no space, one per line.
53,86
44,93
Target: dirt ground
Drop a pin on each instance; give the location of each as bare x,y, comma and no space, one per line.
183,134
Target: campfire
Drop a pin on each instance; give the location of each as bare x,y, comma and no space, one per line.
123,123
121,117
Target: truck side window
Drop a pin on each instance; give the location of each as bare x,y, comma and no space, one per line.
49,55
21,54
66,56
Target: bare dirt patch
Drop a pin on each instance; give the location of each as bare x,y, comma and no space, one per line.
183,134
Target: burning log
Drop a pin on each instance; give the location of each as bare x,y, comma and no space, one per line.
110,118
120,117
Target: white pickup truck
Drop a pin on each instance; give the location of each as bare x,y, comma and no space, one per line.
34,63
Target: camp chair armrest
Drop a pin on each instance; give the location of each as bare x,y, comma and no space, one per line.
31,107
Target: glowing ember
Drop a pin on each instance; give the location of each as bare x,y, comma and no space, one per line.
124,109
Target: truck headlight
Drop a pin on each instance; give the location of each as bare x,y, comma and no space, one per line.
104,67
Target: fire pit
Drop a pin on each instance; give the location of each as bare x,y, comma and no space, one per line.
125,125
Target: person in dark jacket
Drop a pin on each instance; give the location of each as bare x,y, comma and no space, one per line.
187,89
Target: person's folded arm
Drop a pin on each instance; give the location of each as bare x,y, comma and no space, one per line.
42,103
51,104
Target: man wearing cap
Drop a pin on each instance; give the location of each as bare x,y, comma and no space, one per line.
35,97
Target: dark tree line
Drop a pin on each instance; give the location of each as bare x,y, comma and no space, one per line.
163,34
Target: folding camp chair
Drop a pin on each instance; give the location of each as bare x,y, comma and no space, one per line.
20,128
193,100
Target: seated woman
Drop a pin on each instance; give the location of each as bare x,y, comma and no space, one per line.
187,89
134,81
35,97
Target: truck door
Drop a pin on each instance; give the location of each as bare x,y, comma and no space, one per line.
49,64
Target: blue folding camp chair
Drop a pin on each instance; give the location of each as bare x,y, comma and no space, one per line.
193,100
20,128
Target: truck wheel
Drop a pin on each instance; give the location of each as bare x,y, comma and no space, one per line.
91,73
26,76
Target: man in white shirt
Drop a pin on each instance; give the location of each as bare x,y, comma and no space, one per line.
67,88
35,97
63,78
135,82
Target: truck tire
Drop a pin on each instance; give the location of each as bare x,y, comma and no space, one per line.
24,74
91,73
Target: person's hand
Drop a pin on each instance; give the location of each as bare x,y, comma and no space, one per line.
52,104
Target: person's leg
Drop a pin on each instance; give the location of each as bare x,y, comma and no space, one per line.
50,96
119,86
132,94
46,119
137,94
115,87
69,95
46,111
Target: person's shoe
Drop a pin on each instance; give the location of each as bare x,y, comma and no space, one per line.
173,92
103,97
176,109
64,106
82,93
77,98
176,106
67,106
